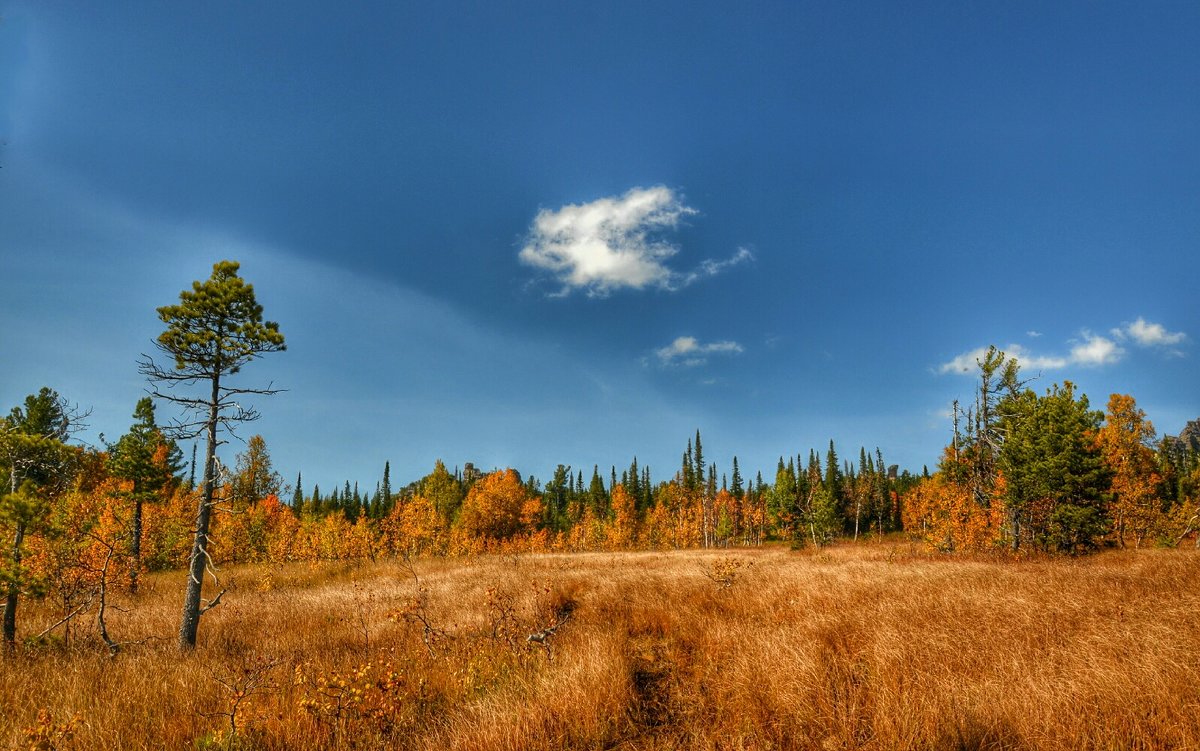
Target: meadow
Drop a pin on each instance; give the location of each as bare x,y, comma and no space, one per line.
867,646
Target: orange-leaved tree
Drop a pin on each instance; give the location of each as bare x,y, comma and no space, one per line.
493,506
1125,443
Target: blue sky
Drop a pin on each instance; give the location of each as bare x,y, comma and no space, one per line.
537,233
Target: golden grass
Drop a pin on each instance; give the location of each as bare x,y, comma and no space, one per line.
868,646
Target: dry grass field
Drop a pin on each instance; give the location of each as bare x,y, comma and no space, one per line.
854,647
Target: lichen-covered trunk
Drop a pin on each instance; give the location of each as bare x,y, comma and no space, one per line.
190,621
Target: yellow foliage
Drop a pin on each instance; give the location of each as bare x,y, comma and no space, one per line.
493,507
946,516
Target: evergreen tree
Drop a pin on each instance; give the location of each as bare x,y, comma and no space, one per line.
385,488
216,329
833,478
558,493
687,472
1054,474
736,487
298,495
597,495
151,463
698,458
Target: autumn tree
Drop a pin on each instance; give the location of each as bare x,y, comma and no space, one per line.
216,329
37,463
150,463
1125,442
781,499
622,531
943,511
443,490
254,477
493,506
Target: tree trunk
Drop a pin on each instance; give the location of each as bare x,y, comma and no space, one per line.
135,546
190,621
10,599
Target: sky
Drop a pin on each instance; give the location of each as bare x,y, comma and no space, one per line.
525,234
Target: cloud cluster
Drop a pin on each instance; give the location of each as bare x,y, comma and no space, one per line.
1089,350
689,352
616,242
966,363
1146,334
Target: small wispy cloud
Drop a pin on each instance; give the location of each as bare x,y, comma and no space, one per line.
687,351
616,243
1147,334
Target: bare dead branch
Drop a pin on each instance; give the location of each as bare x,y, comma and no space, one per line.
77,611
212,571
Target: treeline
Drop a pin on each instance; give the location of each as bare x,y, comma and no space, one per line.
468,510
1023,471
85,519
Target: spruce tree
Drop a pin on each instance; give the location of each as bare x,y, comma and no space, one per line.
687,473
833,477
385,488
597,496
135,458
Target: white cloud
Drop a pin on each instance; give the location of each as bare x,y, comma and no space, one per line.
614,243
1033,334
1038,362
967,362
1096,350
1146,334
689,352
